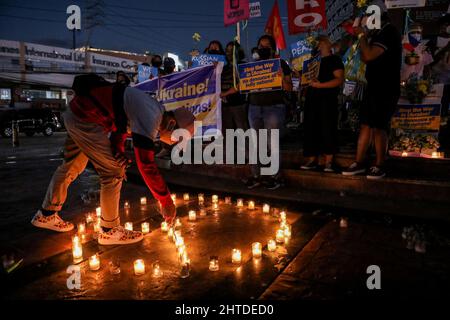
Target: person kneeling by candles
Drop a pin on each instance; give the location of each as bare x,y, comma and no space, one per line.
96,124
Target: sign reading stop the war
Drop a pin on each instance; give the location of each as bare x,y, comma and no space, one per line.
304,15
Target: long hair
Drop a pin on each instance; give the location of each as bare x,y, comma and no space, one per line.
221,51
271,39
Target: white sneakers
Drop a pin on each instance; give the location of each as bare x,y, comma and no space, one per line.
53,222
119,235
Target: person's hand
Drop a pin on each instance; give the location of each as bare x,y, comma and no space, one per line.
122,159
358,30
315,84
169,213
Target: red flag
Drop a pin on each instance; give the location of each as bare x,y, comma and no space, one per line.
235,11
274,27
306,14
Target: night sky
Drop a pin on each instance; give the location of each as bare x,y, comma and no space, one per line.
157,26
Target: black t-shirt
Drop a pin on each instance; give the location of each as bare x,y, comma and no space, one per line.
227,83
268,98
328,65
383,73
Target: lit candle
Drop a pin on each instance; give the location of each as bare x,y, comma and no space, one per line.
139,267
227,200
202,212
77,250
283,224
236,256
186,197
251,205
143,200
201,198
181,251
89,218
156,270
404,154
174,197
98,211
81,228
164,226
192,215
435,155
240,203
214,263
176,234
170,233
94,262
215,206
215,198
97,225
256,250
185,266
271,245
283,216
343,223
126,205
266,208
287,231
145,227
179,241
129,226
280,236
178,223
75,239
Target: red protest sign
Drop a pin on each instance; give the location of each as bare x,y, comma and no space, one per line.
235,11
306,14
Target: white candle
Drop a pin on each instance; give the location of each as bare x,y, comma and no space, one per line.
98,211
404,154
201,198
266,208
227,200
145,227
179,241
77,249
283,216
81,228
214,263
129,226
240,203
139,267
236,256
256,249
164,226
170,233
435,155
215,206
94,262
192,215
280,236
143,200
251,205
89,218
215,198
181,251
156,270
271,245
126,205
178,223
287,231
97,225
186,197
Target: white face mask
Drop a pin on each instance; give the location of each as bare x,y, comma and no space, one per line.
255,56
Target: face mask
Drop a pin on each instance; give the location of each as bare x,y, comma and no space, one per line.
213,51
255,56
157,64
416,36
265,53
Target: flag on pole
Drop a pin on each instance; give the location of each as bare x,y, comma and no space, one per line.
274,27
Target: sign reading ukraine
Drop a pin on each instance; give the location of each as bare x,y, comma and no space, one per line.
417,117
260,76
197,90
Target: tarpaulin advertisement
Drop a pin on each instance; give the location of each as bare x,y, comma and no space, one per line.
260,76
197,90
304,15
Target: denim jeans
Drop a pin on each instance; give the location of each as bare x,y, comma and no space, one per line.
266,117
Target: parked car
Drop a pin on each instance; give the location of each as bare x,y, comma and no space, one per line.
30,121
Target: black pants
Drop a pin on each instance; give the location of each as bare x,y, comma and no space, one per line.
320,123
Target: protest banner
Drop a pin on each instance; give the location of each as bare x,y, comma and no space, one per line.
144,73
235,11
197,90
417,117
311,69
304,15
255,9
300,51
260,76
206,59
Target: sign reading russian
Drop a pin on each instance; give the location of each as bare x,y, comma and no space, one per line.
311,69
300,51
197,90
260,76
417,117
255,9
235,11
206,59
304,15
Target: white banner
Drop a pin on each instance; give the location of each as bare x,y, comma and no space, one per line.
108,62
54,54
255,9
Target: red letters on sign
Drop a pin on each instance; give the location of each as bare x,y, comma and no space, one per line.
304,15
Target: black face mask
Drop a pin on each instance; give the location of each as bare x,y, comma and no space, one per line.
265,53
213,51
157,64
169,70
